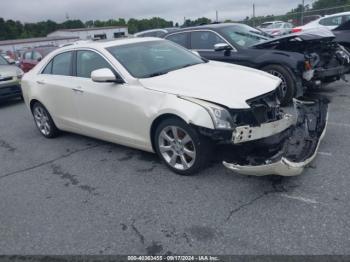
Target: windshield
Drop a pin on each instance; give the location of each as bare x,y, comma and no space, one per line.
153,58
243,35
3,61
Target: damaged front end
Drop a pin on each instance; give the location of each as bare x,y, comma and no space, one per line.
281,147
325,61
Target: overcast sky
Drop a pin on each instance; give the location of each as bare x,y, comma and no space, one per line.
175,10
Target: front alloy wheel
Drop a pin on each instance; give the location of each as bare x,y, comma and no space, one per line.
181,147
177,147
44,121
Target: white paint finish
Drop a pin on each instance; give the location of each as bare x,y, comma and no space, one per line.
221,83
124,113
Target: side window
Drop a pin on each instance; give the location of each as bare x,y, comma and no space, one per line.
48,69
180,38
204,40
331,21
88,61
27,55
61,64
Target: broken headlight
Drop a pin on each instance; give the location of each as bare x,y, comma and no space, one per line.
220,116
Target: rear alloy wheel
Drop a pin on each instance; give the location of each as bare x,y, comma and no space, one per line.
179,145
44,121
286,90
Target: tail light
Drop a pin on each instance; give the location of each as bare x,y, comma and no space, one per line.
296,30
307,66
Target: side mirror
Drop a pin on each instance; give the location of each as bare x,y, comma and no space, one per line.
105,75
222,47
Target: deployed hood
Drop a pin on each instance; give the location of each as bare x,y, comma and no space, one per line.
9,70
221,83
307,35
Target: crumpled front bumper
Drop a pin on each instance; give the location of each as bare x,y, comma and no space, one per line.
298,147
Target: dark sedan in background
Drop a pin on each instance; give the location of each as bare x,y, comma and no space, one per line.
342,34
301,60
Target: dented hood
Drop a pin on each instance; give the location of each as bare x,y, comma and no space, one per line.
306,35
221,83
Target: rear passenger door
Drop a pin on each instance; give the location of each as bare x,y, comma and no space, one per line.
58,90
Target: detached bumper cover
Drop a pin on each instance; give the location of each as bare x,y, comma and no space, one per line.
298,147
338,71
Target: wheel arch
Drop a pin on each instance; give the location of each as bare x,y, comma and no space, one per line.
32,102
157,121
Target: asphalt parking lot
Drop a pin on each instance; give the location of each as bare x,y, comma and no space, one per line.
77,195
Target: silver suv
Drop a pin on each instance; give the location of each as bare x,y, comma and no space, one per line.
10,80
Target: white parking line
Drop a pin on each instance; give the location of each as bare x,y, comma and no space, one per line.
299,198
325,153
339,124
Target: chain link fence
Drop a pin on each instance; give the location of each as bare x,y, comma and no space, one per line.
301,18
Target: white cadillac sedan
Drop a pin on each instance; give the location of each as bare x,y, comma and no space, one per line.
156,96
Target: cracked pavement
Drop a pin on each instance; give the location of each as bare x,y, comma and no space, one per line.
77,195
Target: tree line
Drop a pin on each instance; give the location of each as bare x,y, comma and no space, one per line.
10,29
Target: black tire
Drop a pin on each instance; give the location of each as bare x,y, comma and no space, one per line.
198,144
286,96
46,126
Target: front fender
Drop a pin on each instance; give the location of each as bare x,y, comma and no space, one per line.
190,112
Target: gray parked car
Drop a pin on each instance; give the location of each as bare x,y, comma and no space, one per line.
277,28
10,80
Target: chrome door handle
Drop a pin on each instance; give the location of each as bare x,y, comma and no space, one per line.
40,82
77,90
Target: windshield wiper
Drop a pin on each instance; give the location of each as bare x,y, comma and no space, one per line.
187,65
156,74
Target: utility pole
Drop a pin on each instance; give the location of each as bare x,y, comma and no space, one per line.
217,16
253,15
302,12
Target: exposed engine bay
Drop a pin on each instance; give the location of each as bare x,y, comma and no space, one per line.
266,140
